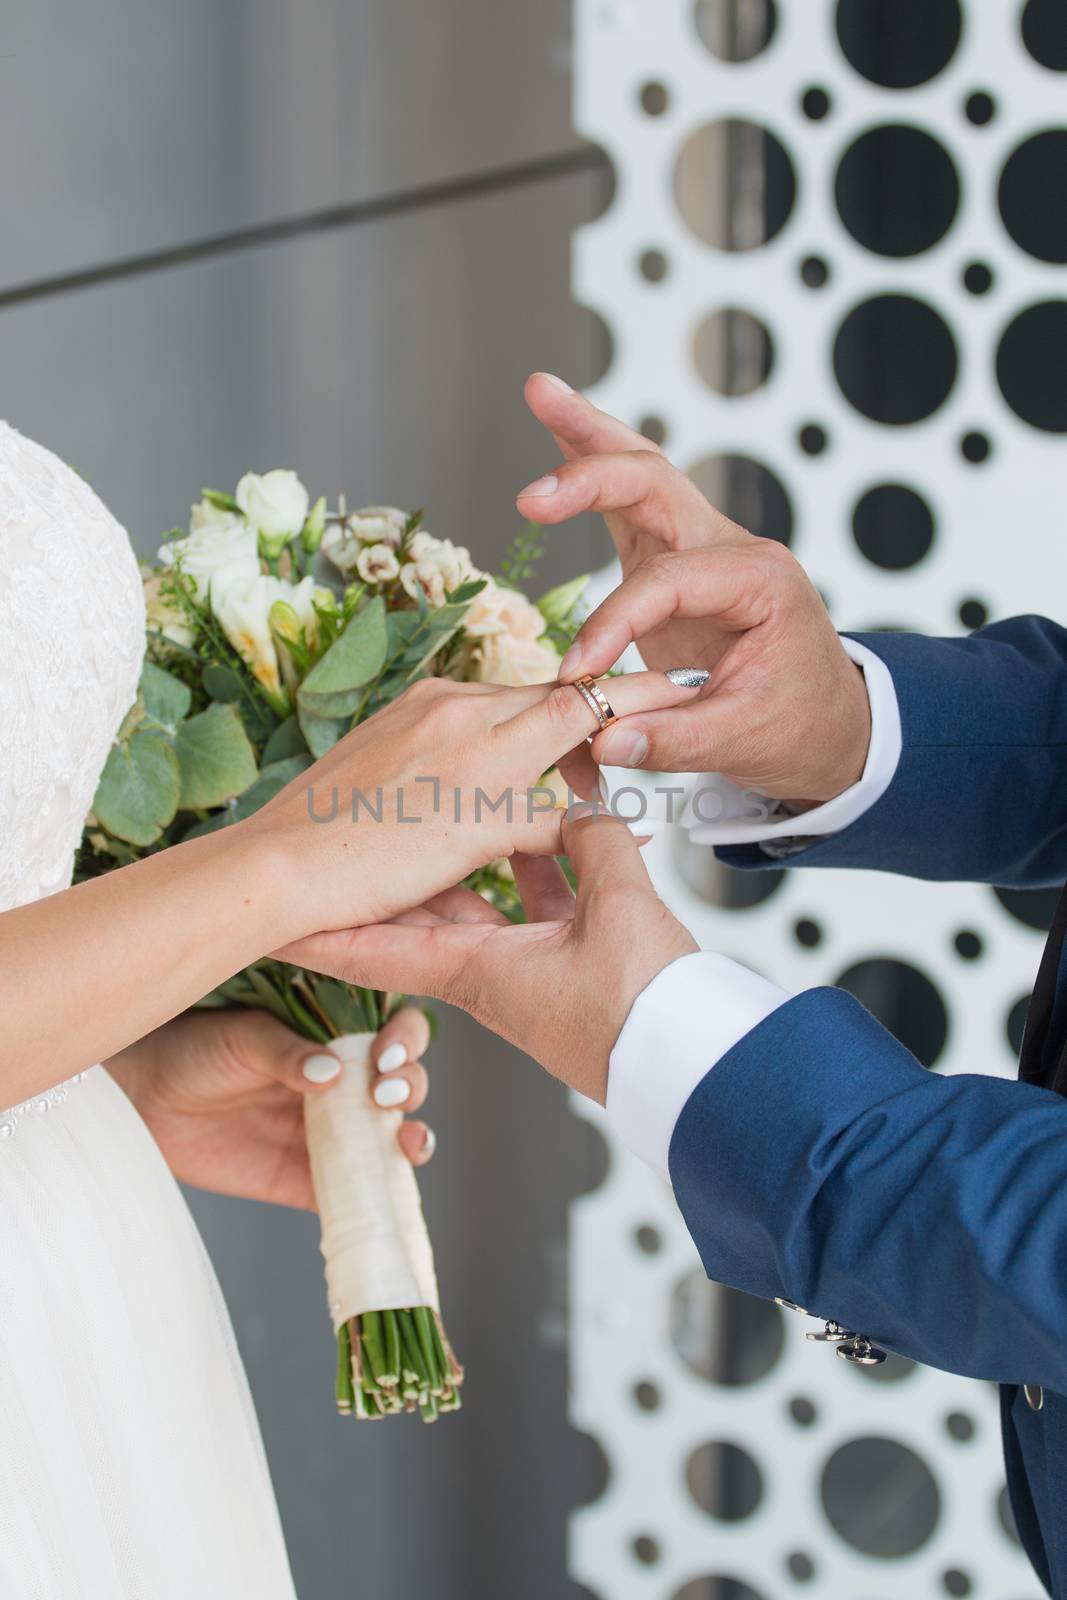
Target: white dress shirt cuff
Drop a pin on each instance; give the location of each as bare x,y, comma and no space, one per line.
719,813
688,1017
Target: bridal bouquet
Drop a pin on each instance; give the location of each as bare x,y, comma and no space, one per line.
274,627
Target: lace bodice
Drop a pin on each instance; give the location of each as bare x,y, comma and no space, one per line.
71,642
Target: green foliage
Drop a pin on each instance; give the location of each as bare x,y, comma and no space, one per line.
519,561
215,756
559,604
286,740
334,688
138,791
165,698
222,684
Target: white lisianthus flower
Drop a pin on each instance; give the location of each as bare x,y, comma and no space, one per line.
435,566
377,563
501,658
205,514
215,557
276,503
499,610
161,613
378,524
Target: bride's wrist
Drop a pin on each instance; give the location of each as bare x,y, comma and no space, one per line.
301,876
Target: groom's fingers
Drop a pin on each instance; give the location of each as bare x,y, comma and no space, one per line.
577,426
546,894
656,498
604,855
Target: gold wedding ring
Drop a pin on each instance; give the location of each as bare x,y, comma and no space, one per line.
596,700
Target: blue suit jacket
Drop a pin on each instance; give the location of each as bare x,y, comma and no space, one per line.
928,1212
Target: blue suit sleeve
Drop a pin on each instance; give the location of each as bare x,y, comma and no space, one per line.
980,793
818,1161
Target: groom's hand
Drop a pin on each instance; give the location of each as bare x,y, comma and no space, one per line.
785,710
559,986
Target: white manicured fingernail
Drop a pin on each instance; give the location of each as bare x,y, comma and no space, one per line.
391,1092
429,1144
395,1056
558,383
321,1069
540,488
624,748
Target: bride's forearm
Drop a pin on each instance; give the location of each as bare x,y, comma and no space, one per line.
87,971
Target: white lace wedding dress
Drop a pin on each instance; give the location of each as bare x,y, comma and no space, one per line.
131,1466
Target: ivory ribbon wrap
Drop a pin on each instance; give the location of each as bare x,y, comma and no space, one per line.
374,1239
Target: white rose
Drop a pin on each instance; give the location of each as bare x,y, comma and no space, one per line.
215,557
207,515
500,658
378,524
162,614
377,563
499,610
276,504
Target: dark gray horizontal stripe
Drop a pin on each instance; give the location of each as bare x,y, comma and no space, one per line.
400,202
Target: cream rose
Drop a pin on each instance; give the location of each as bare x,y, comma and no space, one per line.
499,610
215,557
276,503
377,563
500,658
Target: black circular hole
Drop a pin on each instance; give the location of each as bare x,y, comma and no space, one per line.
807,933
893,1370
1031,195
748,493
646,1550
653,265
654,99
968,945
976,447
1044,29
897,190
1034,908
814,272
716,1586
718,26
1031,361
880,1497
956,1582
722,1335
648,1239
733,351
724,1481
730,145
980,108
959,1426
973,613
647,1396
1015,1024
893,526
812,439
904,1000
800,1567
802,1411
654,430
977,278
899,43
895,359
815,103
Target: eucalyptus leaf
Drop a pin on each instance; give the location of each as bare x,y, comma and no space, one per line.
271,781
139,787
356,656
166,698
320,733
217,760
340,705
221,683
286,740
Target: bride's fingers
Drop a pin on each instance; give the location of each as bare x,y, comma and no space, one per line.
403,1038
557,717
575,423
464,905
418,1142
404,1089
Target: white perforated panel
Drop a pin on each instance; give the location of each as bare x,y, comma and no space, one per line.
998,544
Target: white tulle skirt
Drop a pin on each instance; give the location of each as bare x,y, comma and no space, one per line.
131,1466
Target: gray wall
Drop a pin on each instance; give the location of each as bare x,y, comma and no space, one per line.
380,352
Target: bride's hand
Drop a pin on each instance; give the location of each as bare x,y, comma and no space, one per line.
435,785
560,986
222,1093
